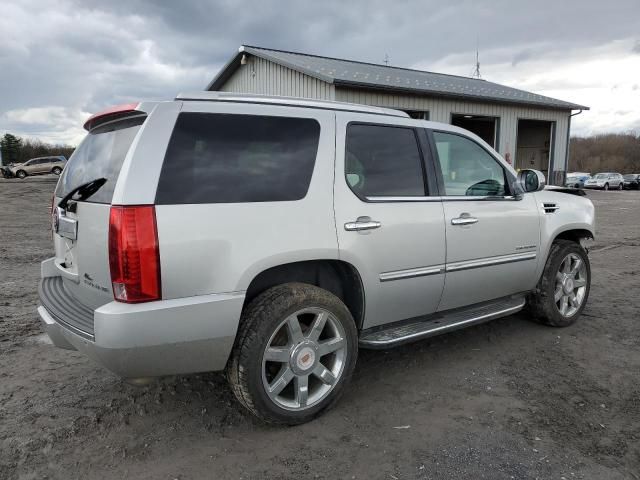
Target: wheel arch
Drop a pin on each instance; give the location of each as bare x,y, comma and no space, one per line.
574,234
336,276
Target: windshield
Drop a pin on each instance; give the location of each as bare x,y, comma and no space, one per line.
100,155
601,175
630,176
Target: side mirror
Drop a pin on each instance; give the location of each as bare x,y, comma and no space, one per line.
531,180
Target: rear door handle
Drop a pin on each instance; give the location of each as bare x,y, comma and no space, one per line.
362,223
464,219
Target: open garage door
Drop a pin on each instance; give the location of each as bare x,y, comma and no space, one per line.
485,127
534,141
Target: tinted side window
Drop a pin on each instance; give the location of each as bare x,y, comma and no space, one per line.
222,158
383,161
467,168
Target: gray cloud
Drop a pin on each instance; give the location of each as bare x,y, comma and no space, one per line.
82,55
521,57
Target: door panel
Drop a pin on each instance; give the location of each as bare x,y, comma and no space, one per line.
493,238
401,258
494,257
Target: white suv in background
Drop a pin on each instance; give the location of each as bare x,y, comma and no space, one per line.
272,237
605,181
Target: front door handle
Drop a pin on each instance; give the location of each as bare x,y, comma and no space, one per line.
362,223
464,219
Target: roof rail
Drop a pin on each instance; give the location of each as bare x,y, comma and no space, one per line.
287,101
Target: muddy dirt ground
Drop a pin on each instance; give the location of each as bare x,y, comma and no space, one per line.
506,400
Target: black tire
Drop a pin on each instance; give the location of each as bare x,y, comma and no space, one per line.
260,320
21,174
620,186
541,303
56,170
606,186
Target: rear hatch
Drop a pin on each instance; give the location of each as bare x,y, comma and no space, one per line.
82,257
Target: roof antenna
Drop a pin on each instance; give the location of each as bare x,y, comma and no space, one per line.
386,59
476,70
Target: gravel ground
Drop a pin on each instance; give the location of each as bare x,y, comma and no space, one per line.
506,400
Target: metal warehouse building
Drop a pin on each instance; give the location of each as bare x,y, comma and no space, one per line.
529,129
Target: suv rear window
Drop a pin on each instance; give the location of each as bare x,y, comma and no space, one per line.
229,158
100,155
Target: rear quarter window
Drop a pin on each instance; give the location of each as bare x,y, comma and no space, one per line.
229,158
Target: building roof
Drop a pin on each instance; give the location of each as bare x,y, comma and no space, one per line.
349,73
287,101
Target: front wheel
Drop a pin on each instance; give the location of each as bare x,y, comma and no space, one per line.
21,174
295,351
56,170
562,292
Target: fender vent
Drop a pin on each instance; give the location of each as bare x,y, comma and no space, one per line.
550,207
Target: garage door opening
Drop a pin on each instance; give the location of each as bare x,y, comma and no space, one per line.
534,141
485,127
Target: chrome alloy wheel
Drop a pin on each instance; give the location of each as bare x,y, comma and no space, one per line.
571,285
304,359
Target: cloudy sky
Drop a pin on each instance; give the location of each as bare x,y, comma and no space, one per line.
61,60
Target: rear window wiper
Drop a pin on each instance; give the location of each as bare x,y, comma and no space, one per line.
83,191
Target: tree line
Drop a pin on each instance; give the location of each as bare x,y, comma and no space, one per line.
611,152
15,149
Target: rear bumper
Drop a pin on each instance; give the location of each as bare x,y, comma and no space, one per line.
166,337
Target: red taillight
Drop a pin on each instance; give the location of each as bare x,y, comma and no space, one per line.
134,256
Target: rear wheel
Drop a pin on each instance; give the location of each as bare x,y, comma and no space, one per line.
620,186
21,174
563,290
606,186
295,351
56,170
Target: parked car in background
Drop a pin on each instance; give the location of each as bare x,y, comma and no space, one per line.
576,179
605,181
39,166
632,181
157,270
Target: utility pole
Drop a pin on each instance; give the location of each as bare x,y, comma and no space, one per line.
386,59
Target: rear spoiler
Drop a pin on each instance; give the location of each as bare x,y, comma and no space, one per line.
111,113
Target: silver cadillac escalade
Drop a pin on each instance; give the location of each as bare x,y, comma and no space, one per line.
272,237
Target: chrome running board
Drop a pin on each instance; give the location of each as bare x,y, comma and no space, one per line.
406,331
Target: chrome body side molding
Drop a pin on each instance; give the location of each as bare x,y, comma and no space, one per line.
487,262
412,273
457,266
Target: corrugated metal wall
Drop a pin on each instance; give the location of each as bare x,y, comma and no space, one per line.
440,110
263,77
